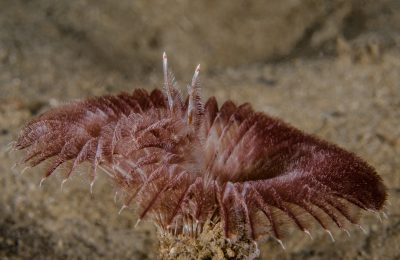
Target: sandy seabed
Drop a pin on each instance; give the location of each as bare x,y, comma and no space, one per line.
351,98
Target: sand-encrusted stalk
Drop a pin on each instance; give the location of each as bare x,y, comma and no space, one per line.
210,243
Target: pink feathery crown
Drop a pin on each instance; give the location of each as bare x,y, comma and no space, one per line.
184,162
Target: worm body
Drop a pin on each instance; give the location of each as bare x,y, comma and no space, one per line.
184,163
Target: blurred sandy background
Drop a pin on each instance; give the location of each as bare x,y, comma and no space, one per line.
331,68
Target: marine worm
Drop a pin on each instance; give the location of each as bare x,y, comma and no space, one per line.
190,166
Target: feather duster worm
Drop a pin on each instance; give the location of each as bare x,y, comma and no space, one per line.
198,169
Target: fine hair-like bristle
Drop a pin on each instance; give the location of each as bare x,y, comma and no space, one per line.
186,163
